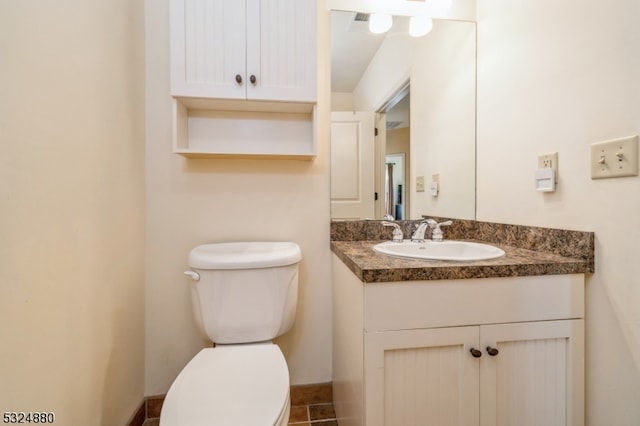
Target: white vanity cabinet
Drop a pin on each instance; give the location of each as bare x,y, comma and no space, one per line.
244,77
491,351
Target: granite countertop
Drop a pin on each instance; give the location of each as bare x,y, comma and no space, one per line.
531,251
370,266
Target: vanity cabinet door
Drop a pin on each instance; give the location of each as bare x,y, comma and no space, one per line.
536,377
422,377
244,49
525,374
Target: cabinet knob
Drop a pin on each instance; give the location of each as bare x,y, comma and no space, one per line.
238,79
476,353
252,79
492,351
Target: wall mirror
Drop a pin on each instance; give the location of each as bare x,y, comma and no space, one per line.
420,95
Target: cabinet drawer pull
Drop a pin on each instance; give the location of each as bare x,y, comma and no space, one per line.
476,353
492,351
252,79
238,79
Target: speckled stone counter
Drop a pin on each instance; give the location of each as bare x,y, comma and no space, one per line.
528,251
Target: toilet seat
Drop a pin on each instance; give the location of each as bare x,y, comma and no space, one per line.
230,385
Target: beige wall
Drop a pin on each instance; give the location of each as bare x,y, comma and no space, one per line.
341,101
398,141
558,76
443,120
196,201
72,209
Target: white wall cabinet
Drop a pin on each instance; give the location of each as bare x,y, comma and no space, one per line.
243,74
244,49
486,352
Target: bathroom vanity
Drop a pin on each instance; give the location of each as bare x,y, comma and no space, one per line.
497,341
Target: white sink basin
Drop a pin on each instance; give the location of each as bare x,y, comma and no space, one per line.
443,250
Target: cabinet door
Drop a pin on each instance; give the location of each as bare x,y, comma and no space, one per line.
422,377
282,50
208,40
536,378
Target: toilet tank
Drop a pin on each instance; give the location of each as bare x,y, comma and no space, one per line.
244,292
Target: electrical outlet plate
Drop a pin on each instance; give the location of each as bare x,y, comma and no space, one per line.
615,158
549,161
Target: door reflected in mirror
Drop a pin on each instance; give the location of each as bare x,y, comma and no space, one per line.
394,197
419,93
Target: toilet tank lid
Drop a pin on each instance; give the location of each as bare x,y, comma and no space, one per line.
244,255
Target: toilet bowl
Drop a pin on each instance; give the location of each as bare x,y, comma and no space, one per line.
244,295
244,385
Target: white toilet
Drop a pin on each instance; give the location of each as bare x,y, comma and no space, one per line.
244,295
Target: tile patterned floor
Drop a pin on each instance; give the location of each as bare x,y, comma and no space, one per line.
301,415
311,405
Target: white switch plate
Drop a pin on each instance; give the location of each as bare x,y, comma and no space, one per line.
615,158
420,184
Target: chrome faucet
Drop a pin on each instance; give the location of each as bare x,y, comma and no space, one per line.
436,232
418,234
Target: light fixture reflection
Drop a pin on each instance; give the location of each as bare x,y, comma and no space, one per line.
420,26
380,23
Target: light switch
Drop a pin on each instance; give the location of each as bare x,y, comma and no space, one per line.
615,158
420,184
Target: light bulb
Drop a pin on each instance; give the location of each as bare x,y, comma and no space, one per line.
420,26
380,23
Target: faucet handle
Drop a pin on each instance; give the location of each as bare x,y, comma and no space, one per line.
398,236
436,233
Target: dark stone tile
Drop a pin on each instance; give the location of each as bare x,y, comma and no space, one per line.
321,412
154,406
311,394
298,414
